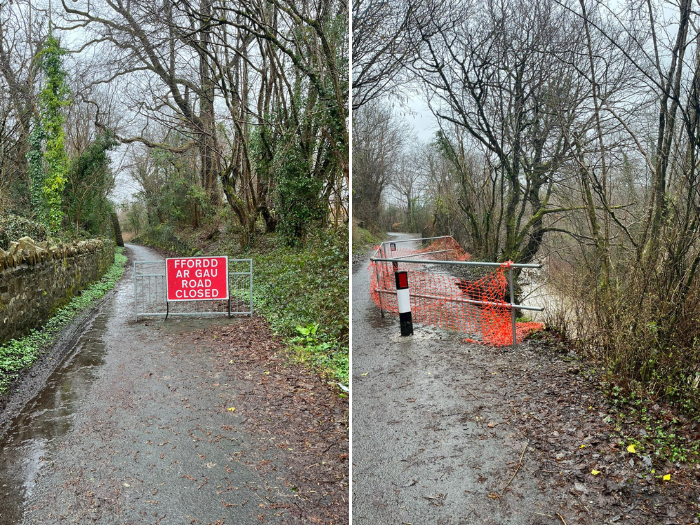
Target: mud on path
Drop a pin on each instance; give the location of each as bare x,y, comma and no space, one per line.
190,421
451,433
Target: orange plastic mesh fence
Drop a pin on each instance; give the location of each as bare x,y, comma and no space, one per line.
441,294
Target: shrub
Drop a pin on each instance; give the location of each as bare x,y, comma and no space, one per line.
13,227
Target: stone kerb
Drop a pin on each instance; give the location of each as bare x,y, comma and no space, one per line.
37,278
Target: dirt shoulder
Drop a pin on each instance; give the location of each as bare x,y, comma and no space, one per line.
298,418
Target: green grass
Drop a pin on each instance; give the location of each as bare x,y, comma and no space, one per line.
363,239
303,293
19,354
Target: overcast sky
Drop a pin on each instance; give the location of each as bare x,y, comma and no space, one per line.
421,118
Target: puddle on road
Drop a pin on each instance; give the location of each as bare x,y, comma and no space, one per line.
36,432
425,333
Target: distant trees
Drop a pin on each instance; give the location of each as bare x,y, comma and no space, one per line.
44,173
505,75
258,89
19,68
378,143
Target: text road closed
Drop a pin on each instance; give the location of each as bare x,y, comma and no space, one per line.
197,278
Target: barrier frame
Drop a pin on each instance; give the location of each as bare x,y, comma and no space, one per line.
380,256
157,295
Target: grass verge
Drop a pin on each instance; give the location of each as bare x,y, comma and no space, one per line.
660,430
303,293
19,354
362,239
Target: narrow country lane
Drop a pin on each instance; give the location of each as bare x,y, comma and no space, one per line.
170,422
446,432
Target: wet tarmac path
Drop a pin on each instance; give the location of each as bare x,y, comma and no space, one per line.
124,432
432,436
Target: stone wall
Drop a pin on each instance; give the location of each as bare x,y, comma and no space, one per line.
38,278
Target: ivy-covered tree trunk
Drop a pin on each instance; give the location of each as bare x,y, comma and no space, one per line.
48,169
35,158
117,229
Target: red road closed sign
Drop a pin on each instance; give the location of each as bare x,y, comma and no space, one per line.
197,278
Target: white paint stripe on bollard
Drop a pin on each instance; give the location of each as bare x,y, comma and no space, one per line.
404,299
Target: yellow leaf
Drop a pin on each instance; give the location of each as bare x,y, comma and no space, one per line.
631,449
364,374
667,477
230,362
231,409
595,472
583,446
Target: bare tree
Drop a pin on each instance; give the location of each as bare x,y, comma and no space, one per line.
20,40
378,140
380,48
504,72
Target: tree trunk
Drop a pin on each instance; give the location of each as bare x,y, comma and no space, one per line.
117,229
207,135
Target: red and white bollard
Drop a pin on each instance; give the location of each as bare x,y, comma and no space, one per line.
404,299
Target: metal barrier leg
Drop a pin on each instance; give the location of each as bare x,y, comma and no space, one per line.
136,307
512,302
250,294
167,309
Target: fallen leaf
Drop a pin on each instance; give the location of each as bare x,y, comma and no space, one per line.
364,374
595,472
631,449
492,424
231,409
667,477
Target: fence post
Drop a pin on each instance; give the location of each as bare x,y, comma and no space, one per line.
404,299
512,302
379,270
250,293
445,248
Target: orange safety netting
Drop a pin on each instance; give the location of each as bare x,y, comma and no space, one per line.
466,299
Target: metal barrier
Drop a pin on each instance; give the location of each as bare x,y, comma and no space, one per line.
150,292
431,292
